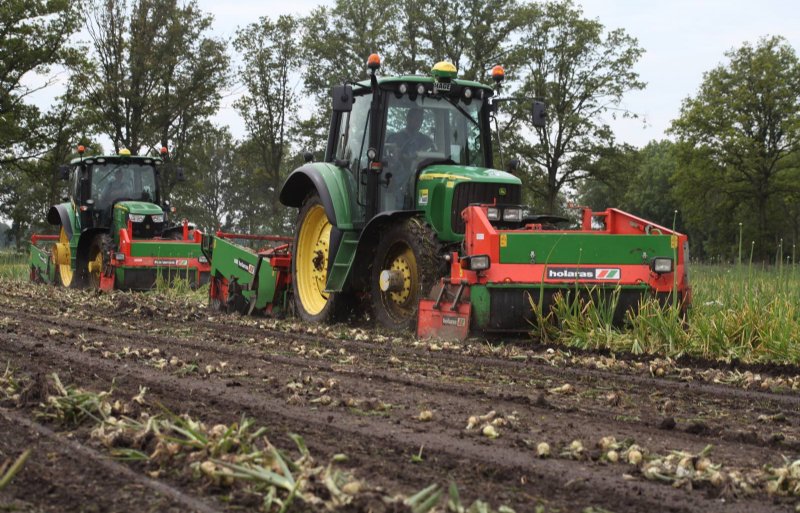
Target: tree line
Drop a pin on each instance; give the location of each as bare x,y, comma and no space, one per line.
152,73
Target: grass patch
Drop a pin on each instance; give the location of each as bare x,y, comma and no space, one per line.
743,313
14,266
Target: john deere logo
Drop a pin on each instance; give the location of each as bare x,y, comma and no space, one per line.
502,191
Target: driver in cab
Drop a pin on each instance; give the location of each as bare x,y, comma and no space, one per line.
408,142
118,188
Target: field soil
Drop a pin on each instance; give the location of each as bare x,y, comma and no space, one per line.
398,408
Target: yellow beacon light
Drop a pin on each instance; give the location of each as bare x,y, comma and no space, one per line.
124,152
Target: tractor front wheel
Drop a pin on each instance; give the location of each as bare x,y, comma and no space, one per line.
310,263
407,264
99,258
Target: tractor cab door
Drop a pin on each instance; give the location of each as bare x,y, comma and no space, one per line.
351,152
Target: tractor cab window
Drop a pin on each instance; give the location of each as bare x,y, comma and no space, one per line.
353,144
426,129
115,181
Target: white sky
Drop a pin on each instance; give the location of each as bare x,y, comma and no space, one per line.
682,39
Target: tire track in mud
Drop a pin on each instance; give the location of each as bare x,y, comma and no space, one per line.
509,397
402,439
507,466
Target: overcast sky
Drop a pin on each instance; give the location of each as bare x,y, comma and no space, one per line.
681,38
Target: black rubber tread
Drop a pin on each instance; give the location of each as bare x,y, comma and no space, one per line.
427,250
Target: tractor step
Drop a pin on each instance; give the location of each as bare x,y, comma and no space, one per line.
342,262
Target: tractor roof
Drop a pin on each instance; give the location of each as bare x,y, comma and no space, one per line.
91,159
423,79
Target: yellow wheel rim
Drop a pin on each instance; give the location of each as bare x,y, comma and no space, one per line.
312,260
406,264
401,258
96,268
65,270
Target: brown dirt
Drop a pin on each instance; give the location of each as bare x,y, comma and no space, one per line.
377,386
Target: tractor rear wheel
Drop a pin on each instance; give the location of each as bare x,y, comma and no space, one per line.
99,258
310,263
406,266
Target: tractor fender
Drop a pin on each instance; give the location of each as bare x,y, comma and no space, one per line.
368,241
62,215
331,182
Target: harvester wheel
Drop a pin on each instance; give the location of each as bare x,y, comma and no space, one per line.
407,264
62,259
99,258
310,263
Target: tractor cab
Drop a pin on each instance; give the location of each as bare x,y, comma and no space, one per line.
390,129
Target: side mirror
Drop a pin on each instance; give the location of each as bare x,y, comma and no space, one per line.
180,175
308,157
63,172
342,98
539,112
513,165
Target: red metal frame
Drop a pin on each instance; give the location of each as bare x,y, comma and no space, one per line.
36,237
481,238
128,261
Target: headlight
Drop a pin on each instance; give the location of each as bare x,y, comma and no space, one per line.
136,218
202,259
158,218
661,265
512,214
476,262
493,213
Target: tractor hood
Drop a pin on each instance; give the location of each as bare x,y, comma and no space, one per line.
138,207
457,173
444,190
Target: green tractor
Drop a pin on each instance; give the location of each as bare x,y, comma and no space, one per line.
408,213
114,232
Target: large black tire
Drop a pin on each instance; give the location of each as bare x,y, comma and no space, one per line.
99,252
410,247
310,263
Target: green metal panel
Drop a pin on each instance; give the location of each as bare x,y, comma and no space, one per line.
165,249
481,304
267,276
341,264
582,248
231,260
40,259
437,185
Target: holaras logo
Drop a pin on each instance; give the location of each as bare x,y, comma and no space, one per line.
583,273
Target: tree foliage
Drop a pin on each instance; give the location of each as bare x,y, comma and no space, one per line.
270,61
739,139
33,36
156,71
582,71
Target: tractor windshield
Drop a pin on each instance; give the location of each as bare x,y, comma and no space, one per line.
427,129
116,181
